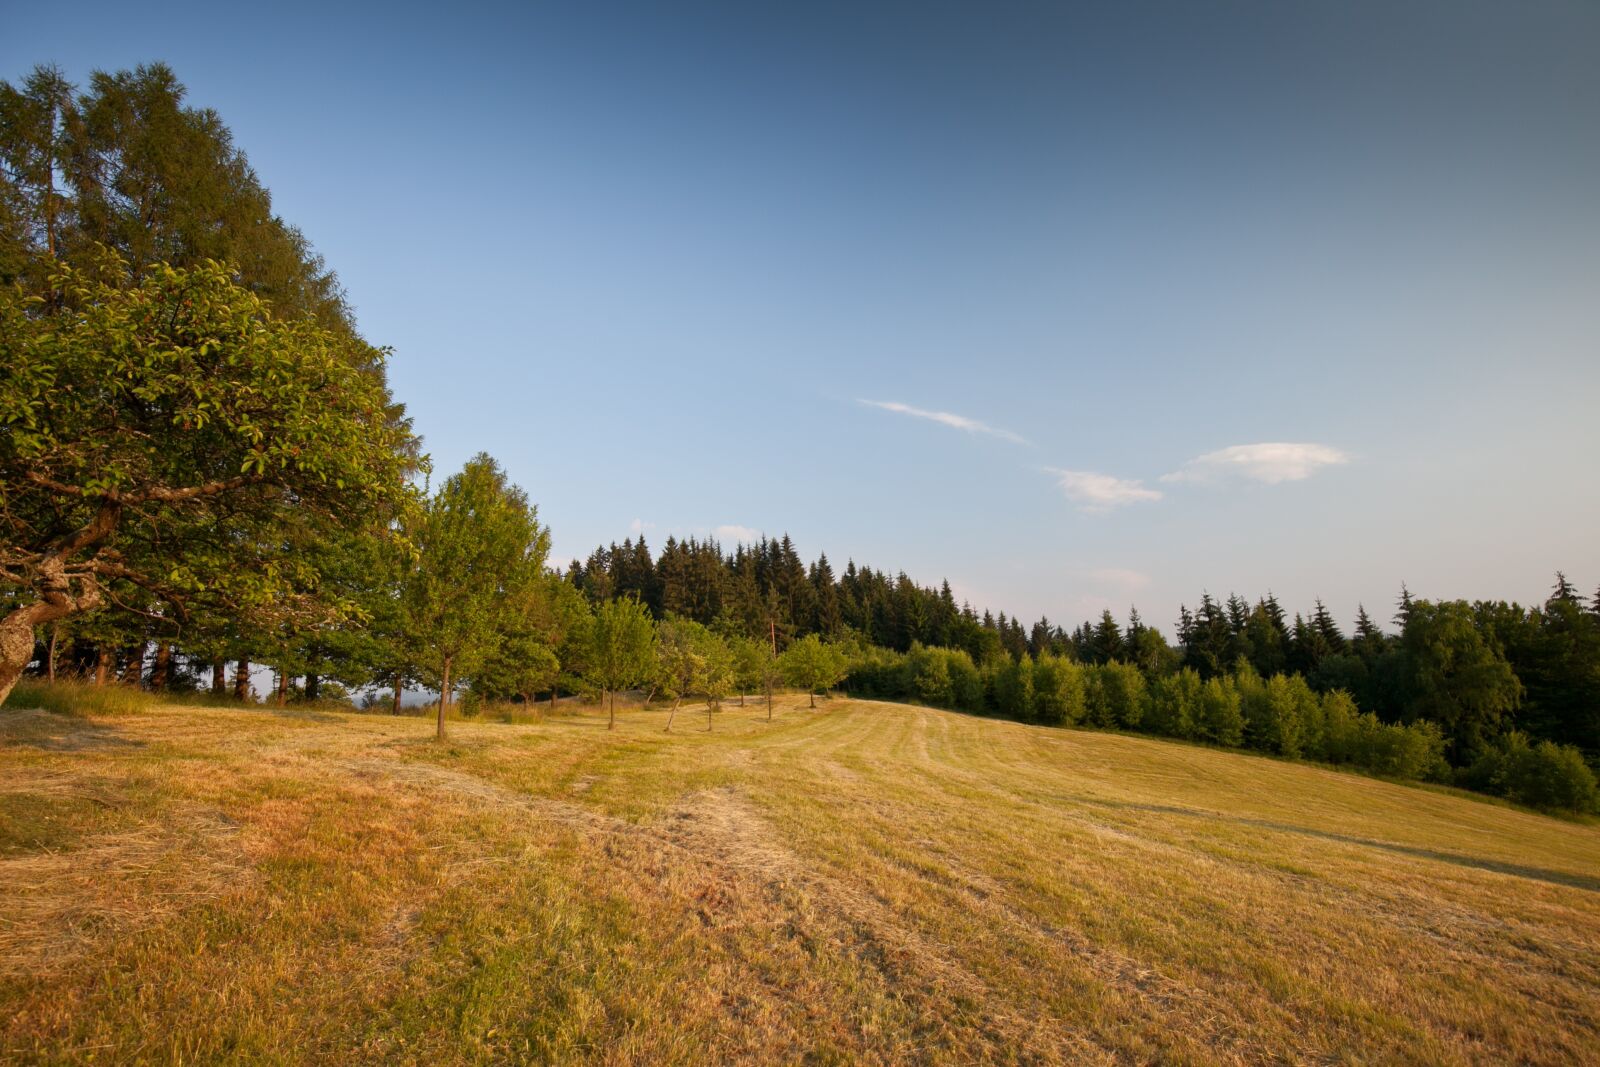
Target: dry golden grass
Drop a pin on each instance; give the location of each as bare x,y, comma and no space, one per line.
863,883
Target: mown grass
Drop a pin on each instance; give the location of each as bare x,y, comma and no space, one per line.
863,883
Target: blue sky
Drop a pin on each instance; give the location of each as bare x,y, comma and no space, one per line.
1009,294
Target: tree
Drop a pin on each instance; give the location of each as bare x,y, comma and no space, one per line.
622,649
480,548
749,663
813,665
718,677
33,122
156,431
1456,676
1115,694
1058,691
680,660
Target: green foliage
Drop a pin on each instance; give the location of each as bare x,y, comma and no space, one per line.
1220,718
681,660
1116,695
622,648
1175,705
1457,675
1011,688
1059,697
928,676
477,573
127,166
1272,713
813,665
168,434
1541,775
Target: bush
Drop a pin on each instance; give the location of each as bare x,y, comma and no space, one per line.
877,673
1543,775
928,676
1058,697
1116,695
1175,705
1399,751
1011,688
1220,718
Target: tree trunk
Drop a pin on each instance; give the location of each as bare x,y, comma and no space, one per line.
241,681
444,693
50,656
552,700
16,649
55,598
161,669
283,687
611,724
769,701
673,713
313,687
219,677
741,696
394,709
813,695
102,664
133,666
709,710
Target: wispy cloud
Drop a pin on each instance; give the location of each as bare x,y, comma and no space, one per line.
640,526
1270,462
947,418
1119,577
1101,492
741,534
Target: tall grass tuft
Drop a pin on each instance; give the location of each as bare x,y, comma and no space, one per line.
79,698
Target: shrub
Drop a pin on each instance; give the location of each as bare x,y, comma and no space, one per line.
1542,775
1011,688
1116,695
1175,705
928,676
1058,697
879,673
1221,717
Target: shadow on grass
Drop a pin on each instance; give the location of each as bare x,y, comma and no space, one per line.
1456,859
61,733
289,711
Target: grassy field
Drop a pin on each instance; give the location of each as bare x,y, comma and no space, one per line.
862,883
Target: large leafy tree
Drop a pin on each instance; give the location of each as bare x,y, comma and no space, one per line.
1456,675
479,548
158,432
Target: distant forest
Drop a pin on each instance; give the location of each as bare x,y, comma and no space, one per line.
1478,670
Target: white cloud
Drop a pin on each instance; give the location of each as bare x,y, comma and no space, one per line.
640,526
946,418
1270,462
1101,492
740,534
1120,577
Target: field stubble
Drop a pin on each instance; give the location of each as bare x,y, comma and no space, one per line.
863,883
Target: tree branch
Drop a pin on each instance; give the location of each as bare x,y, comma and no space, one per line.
161,493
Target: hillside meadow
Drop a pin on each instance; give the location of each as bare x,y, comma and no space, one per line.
862,883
